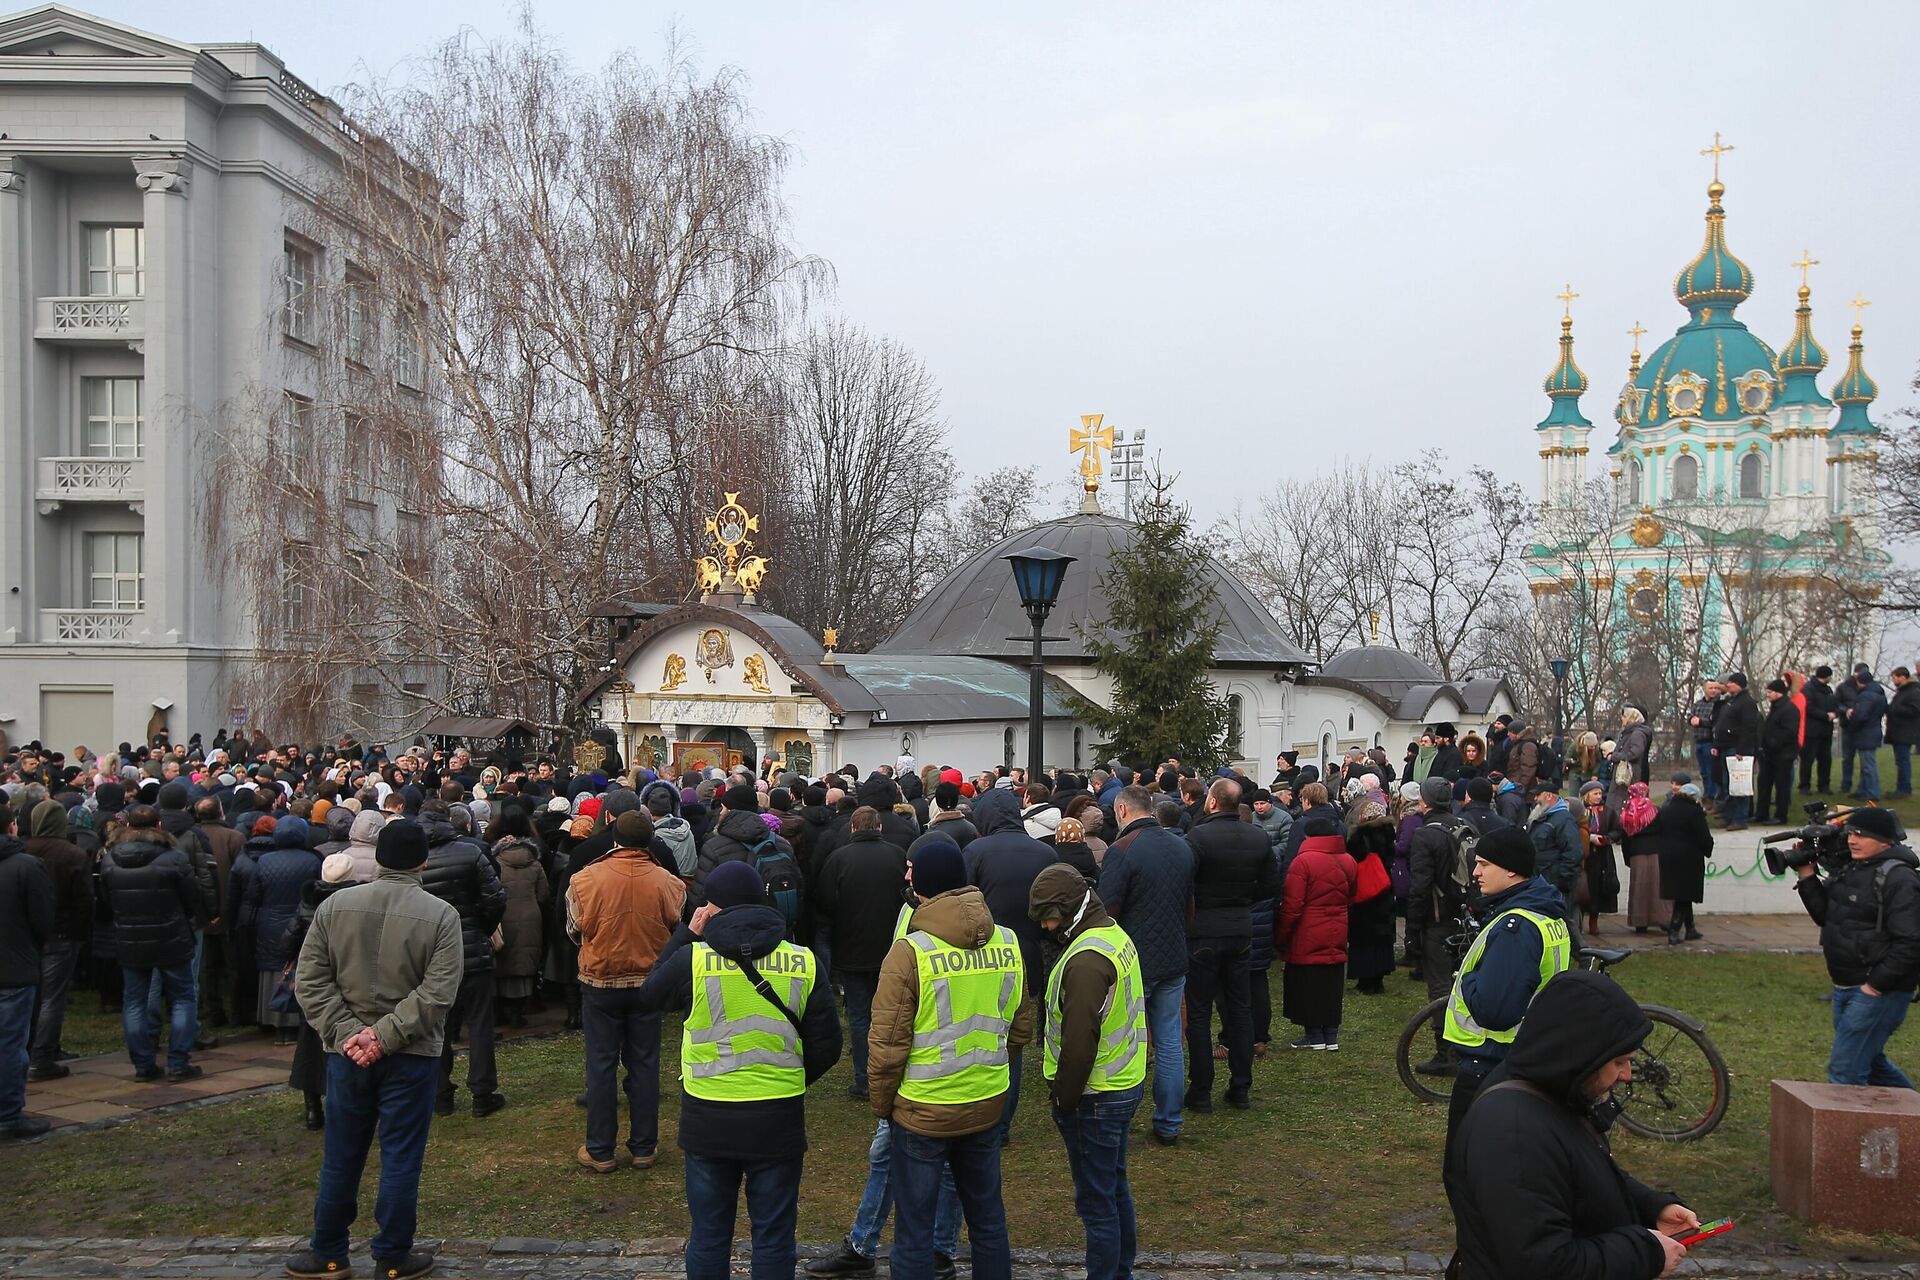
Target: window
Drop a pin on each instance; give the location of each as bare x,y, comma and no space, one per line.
1839,476
1636,482
296,446
114,580
114,427
356,459
116,262
1006,747
296,600
1686,477
297,321
409,362
410,528
1752,476
1236,723
361,523
358,319
1079,745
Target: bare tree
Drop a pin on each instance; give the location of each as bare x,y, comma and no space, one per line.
1457,554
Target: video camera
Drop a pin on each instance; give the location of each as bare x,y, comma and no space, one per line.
1823,839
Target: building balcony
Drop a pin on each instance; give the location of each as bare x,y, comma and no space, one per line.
91,321
90,480
92,626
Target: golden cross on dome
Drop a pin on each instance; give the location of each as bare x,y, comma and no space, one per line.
1088,439
1566,296
1717,150
1636,333
1858,304
1807,263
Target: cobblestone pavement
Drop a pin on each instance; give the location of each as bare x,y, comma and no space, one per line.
523,1258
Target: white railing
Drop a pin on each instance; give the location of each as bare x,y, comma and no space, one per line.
92,626
88,479
90,319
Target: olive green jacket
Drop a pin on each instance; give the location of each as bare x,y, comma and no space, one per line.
386,954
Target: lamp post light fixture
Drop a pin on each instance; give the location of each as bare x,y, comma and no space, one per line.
1559,667
1037,575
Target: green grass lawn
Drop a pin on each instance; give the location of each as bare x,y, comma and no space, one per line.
1334,1157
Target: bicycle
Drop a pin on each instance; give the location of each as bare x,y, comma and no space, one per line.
1680,1086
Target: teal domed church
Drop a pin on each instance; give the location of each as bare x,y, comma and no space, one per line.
1734,525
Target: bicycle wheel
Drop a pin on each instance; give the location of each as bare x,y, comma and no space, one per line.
1680,1085
1418,1037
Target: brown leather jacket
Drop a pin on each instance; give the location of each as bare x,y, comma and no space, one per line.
622,909
959,918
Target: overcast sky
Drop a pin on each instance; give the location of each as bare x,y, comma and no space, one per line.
1273,234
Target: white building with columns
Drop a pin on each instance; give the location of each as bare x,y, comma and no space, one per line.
159,284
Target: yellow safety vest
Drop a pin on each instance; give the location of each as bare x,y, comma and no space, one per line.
735,1046
1556,953
1121,1061
968,999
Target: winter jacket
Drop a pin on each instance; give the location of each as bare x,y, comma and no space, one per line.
1539,1192
26,915
1704,710
68,869
951,825
1298,832
1483,818
316,892
740,837
386,955
178,823
1503,984
1681,838
1780,735
1821,709
772,1129
1523,760
1002,864
858,894
1903,714
1086,984
1430,861
1146,882
896,828
1556,846
1849,912
1447,762
1510,803
1278,824
1312,928
223,845
457,872
154,897
528,894
363,839
1633,746
273,893
1736,730
1233,866
1864,731
959,918
622,911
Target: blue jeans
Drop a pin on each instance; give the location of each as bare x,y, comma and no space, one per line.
1703,764
16,1026
619,1030
922,1170
858,989
1736,809
1869,771
184,1027
876,1202
393,1097
1164,1000
1862,1025
773,1208
1096,1136
1903,768
156,998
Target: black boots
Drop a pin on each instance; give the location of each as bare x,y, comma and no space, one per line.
316,1114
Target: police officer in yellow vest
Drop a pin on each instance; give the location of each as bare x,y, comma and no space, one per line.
950,1007
760,1028
1523,943
1094,1039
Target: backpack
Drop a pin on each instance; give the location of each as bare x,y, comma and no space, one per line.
1551,769
780,873
1455,886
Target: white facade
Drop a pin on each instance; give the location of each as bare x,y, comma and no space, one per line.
158,285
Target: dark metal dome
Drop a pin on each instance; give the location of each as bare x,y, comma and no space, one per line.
975,610
1383,667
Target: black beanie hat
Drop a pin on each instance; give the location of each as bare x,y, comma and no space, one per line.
402,845
741,798
1509,847
1881,824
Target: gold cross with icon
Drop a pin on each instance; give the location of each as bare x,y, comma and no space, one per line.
1807,263
1858,304
1716,151
1566,296
1088,439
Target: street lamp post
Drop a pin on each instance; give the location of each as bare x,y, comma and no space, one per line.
1037,574
1559,667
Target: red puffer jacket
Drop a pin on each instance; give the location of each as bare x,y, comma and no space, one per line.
1312,925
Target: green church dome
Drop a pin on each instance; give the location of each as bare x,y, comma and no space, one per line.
1565,385
1854,392
1715,278
1802,358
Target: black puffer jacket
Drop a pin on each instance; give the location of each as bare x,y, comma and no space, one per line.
1540,1194
155,898
461,874
739,837
1233,867
26,914
1848,912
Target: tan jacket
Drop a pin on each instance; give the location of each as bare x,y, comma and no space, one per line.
622,909
386,954
961,919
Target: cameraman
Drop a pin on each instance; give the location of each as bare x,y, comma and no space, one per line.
1869,917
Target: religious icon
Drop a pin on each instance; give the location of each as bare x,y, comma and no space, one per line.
589,755
750,573
756,674
707,574
675,674
715,651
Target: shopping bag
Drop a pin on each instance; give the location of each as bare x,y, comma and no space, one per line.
1739,775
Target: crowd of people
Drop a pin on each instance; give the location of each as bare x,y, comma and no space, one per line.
373,906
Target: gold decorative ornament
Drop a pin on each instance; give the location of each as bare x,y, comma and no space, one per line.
1806,264
1647,530
589,755
755,673
1643,596
1716,151
675,675
623,687
1686,393
1087,440
830,640
707,573
726,571
714,651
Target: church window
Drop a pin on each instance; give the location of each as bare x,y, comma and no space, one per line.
1636,482
1236,723
1079,741
1752,476
1006,747
1839,475
1686,477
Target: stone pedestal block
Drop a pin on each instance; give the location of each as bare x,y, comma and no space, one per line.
1847,1156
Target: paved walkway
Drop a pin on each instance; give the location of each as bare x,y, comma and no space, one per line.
1791,931
519,1258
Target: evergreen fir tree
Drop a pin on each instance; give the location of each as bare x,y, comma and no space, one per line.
1156,644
